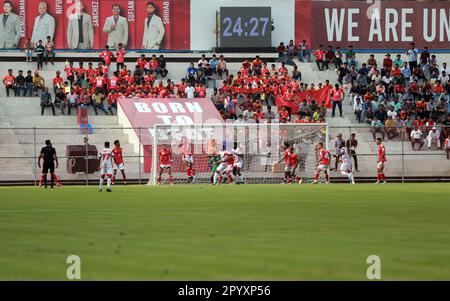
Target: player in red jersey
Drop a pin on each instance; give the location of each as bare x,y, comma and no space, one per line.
225,167
165,161
292,164
381,162
286,162
118,162
323,165
447,147
188,159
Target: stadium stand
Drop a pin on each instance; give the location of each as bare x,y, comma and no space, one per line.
25,112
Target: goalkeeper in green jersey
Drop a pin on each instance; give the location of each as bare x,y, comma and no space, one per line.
214,162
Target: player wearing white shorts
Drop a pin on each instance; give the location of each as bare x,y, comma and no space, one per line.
323,165
346,166
238,163
106,167
118,163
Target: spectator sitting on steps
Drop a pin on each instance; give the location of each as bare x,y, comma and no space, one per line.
416,137
46,101
433,137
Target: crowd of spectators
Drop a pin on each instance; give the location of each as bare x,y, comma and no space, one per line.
243,96
406,97
401,98
240,96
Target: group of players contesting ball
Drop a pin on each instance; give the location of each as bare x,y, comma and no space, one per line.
225,165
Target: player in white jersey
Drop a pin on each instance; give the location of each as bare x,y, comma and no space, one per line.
346,166
188,159
238,163
106,167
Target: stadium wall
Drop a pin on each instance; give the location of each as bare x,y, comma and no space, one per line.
190,25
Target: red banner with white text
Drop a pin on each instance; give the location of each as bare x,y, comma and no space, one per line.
373,24
143,113
92,24
321,95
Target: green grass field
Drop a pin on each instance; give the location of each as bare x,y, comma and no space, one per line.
199,232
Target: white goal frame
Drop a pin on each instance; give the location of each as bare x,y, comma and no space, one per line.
228,126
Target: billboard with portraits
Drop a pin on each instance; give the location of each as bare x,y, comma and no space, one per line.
92,24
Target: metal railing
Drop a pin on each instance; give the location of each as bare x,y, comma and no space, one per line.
20,148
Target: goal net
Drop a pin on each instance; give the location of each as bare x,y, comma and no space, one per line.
196,150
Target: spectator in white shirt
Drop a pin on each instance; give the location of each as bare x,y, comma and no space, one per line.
357,107
269,114
391,113
444,78
444,68
189,90
433,137
203,60
416,137
411,54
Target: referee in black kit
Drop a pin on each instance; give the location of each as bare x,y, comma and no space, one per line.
48,153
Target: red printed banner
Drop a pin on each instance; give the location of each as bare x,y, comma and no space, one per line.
373,24
92,24
322,95
143,113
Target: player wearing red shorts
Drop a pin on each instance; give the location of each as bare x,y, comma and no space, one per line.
323,165
381,162
118,163
165,161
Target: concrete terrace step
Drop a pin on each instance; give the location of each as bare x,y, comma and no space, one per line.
61,121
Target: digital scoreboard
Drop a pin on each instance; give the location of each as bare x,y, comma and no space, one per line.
242,27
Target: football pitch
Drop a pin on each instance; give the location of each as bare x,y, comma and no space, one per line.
246,232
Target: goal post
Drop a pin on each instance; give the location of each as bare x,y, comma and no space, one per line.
261,148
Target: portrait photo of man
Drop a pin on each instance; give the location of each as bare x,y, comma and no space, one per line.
153,29
117,28
9,27
80,31
44,25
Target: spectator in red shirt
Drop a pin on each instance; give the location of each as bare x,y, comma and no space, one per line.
387,62
70,72
112,100
321,61
57,82
107,55
8,81
330,56
283,70
281,49
258,115
337,96
120,57
257,65
284,114
153,65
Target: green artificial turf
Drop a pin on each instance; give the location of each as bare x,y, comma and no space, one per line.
246,232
